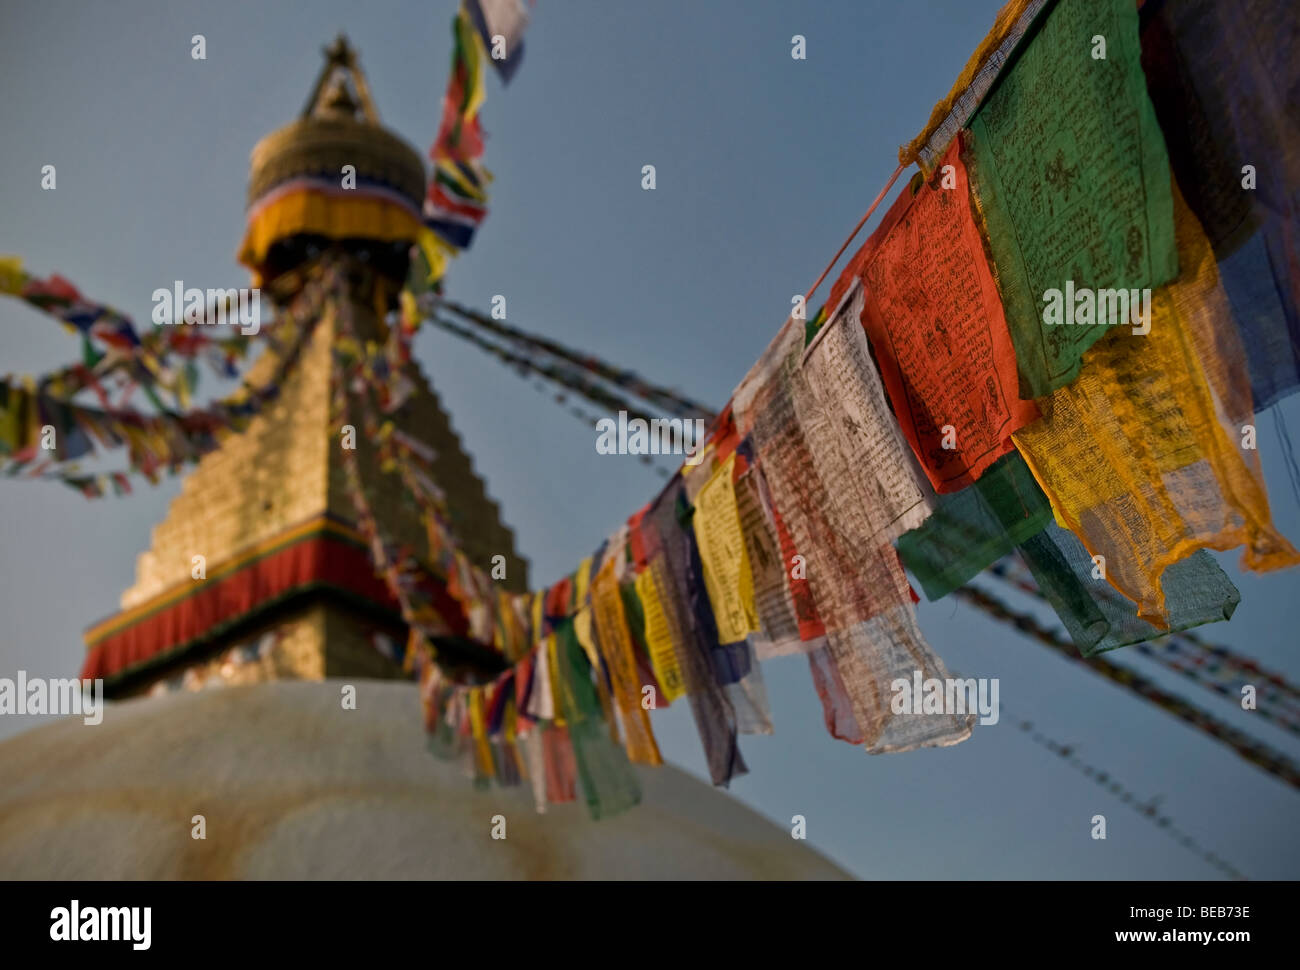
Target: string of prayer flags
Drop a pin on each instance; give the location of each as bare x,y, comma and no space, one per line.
164,359
1222,79
965,381
1133,455
1098,618
957,390
456,201
560,373
143,360
665,399
935,321
59,298
154,441
459,137
1071,177
972,529
1250,749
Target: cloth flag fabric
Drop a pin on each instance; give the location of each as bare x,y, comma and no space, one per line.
659,638
616,651
935,321
983,68
506,19
748,697
846,568
1070,174
855,673
456,201
62,300
779,634
1141,457
1097,617
841,532
727,576
608,783
974,528
840,405
668,557
1224,80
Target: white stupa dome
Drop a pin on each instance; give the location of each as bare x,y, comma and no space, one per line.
292,786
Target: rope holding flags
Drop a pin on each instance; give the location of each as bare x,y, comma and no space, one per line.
43,431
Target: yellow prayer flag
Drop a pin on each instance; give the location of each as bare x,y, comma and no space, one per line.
478,731
582,581
659,639
582,628
727,576
620,659
1140,456
538,605
557,685
12,276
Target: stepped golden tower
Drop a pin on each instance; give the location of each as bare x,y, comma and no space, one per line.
258,571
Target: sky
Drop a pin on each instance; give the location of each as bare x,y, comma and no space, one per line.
763,165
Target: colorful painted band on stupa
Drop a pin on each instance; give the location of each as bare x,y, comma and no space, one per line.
321,554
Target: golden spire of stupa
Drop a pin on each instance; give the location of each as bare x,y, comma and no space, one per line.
269,514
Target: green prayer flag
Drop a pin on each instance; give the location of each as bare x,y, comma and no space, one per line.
1098,617
974,528
608,782
1069,170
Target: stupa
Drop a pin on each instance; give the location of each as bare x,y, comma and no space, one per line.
283,586
290,783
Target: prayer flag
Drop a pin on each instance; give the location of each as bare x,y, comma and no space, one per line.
1070,174
935,321
506,20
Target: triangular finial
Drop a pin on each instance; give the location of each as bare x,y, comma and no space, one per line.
331,95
